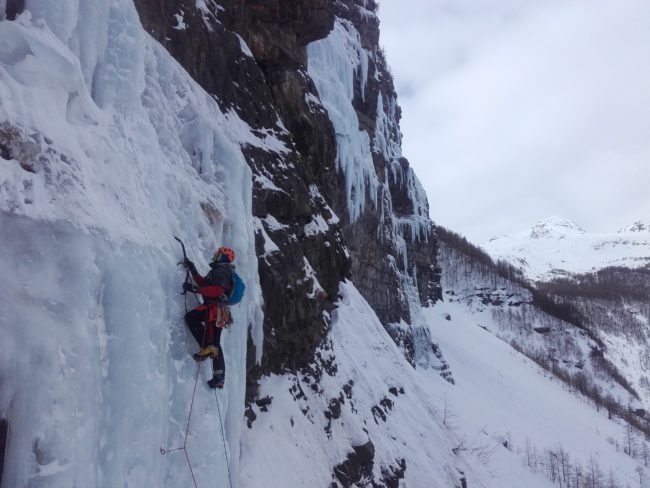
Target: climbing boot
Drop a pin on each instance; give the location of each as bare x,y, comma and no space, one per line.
217,381
206,352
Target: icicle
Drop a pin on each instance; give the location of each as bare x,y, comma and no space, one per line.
333,63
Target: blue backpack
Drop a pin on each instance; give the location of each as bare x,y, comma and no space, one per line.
238,289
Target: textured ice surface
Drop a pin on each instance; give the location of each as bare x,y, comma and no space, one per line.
333,63
113,149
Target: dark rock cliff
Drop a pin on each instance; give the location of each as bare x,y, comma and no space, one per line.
305,238
267,91
375,238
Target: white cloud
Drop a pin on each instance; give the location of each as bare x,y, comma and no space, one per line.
516,110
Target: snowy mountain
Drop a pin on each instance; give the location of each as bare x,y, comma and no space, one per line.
603,278
602,359
555,247
559,338
272,127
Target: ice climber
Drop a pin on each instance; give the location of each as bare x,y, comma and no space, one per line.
207,320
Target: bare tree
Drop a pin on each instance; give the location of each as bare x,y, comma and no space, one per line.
552,465
508,442
448,415
578,477
611,481
529,454
594,474
642,477
630,441
565,466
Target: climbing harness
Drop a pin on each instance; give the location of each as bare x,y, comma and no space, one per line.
224,319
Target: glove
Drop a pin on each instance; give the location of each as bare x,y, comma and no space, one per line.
189,287
189,265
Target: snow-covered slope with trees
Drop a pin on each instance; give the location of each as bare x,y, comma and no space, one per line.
557,337
487,304
523,425
604,278
615,303
506,420
366,396
556,246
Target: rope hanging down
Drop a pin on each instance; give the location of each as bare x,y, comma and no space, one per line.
223,437
187,429
183,448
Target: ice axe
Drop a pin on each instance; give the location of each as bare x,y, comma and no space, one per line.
187,271
182,245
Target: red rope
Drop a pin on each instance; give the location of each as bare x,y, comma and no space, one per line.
196,381
190,465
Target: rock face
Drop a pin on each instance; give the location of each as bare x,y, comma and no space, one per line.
300,263
357,465
252,56
13,8
394,231
383,210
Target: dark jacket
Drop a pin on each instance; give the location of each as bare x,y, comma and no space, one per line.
216,283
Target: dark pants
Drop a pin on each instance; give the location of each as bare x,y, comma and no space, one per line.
195,320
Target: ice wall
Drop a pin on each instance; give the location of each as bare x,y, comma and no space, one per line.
333,64
109,149
380,186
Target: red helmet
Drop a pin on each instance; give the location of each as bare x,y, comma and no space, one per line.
224,254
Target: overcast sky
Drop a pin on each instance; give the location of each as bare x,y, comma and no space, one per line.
517,110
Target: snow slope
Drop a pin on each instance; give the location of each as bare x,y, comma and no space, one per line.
483,318
557,246
369,393
109,149
500,395
305,427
